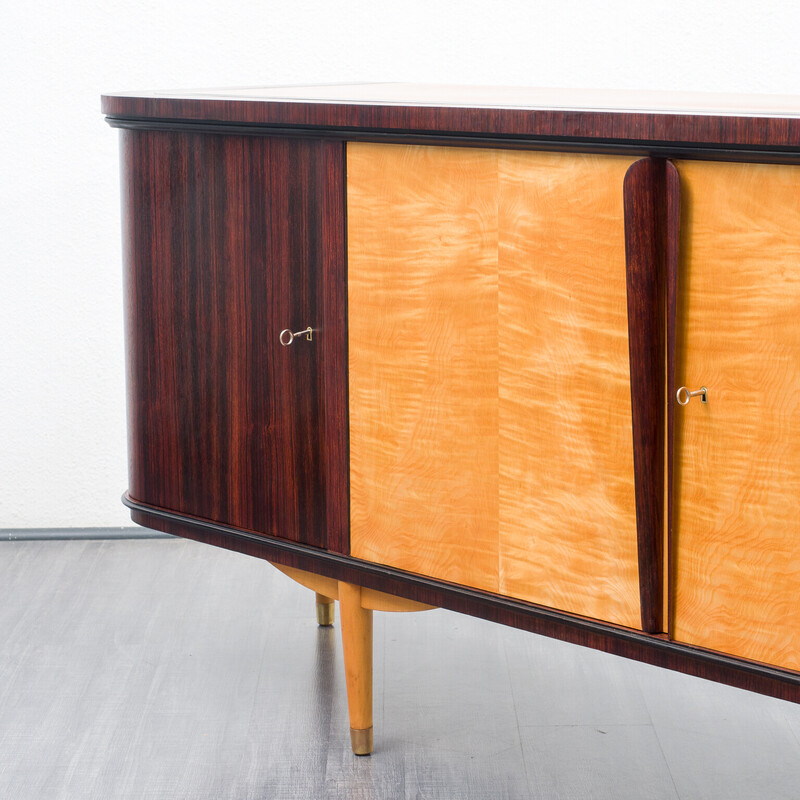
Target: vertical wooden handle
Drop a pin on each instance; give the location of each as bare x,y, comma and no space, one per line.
650,194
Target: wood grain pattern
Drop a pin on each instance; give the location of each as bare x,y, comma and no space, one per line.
422,296
567,504
765,126
328,186
224,423
650,228
643,193
753,544
737,483
454,378
672,243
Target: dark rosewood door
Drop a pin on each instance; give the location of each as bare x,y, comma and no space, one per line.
230,240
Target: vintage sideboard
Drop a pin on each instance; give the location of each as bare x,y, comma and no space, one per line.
530,355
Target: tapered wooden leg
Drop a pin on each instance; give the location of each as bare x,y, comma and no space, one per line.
324,610
356,624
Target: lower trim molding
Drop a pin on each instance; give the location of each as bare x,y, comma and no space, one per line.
626,642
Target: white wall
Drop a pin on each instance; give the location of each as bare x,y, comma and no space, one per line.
62,439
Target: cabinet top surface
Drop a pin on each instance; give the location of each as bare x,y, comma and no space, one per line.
497,97
586,114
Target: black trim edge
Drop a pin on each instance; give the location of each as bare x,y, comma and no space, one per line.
622,147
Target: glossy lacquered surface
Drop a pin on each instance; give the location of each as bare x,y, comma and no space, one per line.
490,408
497,97
493,111
210,460
224,422
651,194
737,501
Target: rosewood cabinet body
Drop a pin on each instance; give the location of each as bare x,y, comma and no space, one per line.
504,301
223,426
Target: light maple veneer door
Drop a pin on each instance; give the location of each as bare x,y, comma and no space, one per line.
490,416
736,553
567,504
423,360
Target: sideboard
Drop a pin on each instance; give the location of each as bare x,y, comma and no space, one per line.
530,355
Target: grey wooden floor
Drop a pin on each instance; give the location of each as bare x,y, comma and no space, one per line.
167,669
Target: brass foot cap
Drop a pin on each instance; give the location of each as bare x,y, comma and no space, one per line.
361,740
325,614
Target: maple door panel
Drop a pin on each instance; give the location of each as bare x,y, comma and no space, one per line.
422,300
736,552
567,502
490,425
